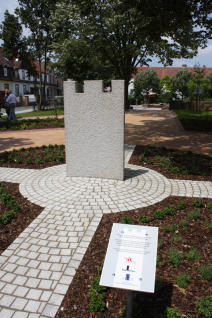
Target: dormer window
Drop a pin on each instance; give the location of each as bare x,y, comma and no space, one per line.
5,72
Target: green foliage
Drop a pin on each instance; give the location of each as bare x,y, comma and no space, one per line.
172,228
204,306
192,255
197,203
181,206
206,272
209,205
182,280
160,243
171,313
176,237
194,214
174,257
145,82
180,82
208,224
159,214
7,200
127,219
7,217
169,210
144,218
97,296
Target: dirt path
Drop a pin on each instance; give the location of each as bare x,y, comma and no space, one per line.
160,128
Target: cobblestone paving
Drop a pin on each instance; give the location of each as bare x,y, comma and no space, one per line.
38,267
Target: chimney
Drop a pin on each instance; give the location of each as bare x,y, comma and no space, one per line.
184,65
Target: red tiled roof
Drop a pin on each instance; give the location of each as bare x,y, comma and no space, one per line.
4,61
171,71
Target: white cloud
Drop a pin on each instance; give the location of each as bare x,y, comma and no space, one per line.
207,50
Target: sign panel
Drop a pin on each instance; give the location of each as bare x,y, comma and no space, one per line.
130,261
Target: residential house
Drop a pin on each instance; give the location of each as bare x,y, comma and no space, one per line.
16,79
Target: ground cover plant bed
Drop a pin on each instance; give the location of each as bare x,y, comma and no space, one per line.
184,272
34,157
173,163
26,212
31,124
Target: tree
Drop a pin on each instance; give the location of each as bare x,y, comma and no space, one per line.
166,89
14,43
198,86
35,15
180,82
146,82
11,34
127,35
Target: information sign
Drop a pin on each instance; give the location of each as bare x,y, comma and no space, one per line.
130,261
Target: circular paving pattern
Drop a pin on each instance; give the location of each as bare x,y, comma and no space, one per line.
51,187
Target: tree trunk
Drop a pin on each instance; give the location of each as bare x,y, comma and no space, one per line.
126,102
40,84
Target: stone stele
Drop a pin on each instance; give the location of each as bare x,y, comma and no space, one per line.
94,128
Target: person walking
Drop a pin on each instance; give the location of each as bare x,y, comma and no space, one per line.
12,100
6,106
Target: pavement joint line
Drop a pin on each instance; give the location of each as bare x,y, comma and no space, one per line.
38,267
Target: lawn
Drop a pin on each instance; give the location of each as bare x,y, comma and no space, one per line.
193,120
184,272
48,112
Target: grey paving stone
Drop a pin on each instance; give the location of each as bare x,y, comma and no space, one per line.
20,314
6,313
19,303
50,310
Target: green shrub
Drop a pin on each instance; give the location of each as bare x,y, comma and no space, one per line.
171,313
97,296
192,255
172,228
160,243
182,280
204,306
197,203
169,210
210,205
7,217
208,223
127,219
194,214
144,219
174,169
181,206
97,302
29,161
183,223
206,272
159,214
176,238
174,257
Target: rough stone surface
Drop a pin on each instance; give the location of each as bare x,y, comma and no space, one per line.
94,120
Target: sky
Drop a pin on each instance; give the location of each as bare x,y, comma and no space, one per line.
204,56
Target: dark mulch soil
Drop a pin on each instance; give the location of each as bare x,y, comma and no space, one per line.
76,301
33,157
190,166
29,211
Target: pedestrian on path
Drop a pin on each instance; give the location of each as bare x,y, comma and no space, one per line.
6,105
12,100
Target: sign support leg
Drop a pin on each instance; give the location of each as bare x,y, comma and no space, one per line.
129,307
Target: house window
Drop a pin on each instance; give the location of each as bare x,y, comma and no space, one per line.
23,74
6,86
5,72
16,89
24,89
16,74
